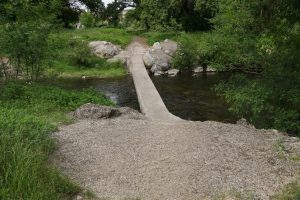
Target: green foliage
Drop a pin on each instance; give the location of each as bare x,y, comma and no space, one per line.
68,15
290,192
113,13
267,36
186,55
28,114
154,36
87,19
73,56
169,15
96,7
24,38
81,54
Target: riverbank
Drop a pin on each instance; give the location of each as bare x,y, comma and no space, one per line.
29,113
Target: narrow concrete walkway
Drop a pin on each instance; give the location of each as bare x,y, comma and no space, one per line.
150,101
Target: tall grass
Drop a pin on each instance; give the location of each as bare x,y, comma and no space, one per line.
26,120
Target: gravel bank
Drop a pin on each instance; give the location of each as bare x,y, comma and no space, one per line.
128,157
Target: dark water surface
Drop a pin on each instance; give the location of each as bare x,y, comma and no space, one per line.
120,90
192,97
186,96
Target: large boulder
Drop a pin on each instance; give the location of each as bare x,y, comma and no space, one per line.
104,49
122,57
159,57
170,47
148,59
95,112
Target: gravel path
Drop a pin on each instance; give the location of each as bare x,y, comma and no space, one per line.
138,158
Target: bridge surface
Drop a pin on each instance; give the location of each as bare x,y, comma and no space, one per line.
150,101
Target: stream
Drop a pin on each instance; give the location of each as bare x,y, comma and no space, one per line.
188,97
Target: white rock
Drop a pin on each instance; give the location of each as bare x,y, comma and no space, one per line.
173,72
148,60
198,69
104,49
6,69
122,57
210,69
158,73
154,69
157,45
170,47
168,52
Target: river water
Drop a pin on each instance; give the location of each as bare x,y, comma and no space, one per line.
186,96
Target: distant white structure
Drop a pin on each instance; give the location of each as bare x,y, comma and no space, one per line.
129,3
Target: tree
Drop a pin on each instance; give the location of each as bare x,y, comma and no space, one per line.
264,33
26,26
113,12
96,7
188,15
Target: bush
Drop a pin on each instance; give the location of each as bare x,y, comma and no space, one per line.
82,57
186,56
81,54
87,19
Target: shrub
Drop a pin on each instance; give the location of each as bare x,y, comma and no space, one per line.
186,56
81,54
87,19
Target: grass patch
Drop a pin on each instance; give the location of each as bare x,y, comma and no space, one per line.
153,37
116,36
72,57
235,195
280,148
65,69
28,114
290,192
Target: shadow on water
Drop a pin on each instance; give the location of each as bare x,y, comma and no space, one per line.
185,96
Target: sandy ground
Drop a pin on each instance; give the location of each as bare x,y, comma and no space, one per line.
139,158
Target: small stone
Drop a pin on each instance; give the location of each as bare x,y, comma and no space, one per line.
157,45
158,73
163,66
210,69
173,72
154,69
198,69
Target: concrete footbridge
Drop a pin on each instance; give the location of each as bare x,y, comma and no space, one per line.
151,103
